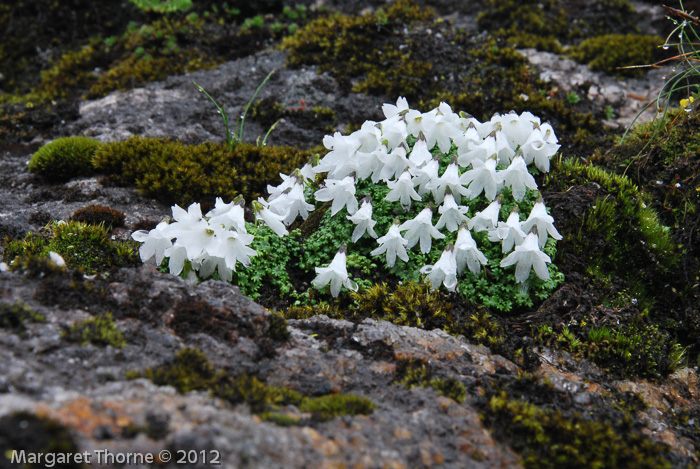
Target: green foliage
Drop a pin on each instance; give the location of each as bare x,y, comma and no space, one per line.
548,438
162,6
82,246
99,215
175,173
64,158
14,316
99,330
191,370
612,51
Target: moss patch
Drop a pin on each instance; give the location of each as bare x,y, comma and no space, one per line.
64,159
14,316
610,52
100,330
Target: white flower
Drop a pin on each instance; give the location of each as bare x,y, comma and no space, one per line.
4,267
466,252
482,150
444,271
341,192
482,178
449,179
425,175
57,259
232,246
543,221
421,229
363,221
487,219
390,110
341,157
273,220
155,242
528,256
540,147
393,244
393,163
440,127
394,132
452,215
176,254
402,190
228,215
509,232
210,263
336,274
420,154
517,128
276,191
191,230
517,177
291,203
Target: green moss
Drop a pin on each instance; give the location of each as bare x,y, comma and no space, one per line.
191,370
633,349
64,158
100,330
99,215
548,438
359,46
411,373
175,173
330,406
14,316
82,246
612,51
162,6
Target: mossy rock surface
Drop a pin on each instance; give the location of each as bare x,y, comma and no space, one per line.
64,159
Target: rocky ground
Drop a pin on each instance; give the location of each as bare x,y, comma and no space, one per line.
437,400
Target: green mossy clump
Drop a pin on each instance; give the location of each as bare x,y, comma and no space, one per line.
39,436
82,246
411,373
14,316
64,159
636,348
612,51
99,215
99,330
191,370
175,173
619,235
549,438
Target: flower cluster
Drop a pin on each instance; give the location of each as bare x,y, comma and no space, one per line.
215,242
434,165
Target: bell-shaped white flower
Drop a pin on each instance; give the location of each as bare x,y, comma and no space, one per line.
467,253
394,132
481,150
341,192
363,220
336,274
273,220
394,163
393,244
343,153
291,203
540,147
420,154
441,127
155,242
287,183
466,142
517,128
444,271
487,219
452,215
425,175
421,229
391,110
543,221
232,246
482,178
229,215
527,256
517,177
402,190
509,233
449,179
177,255
208,264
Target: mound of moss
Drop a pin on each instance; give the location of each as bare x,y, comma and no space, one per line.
175,173
64,158
612,52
